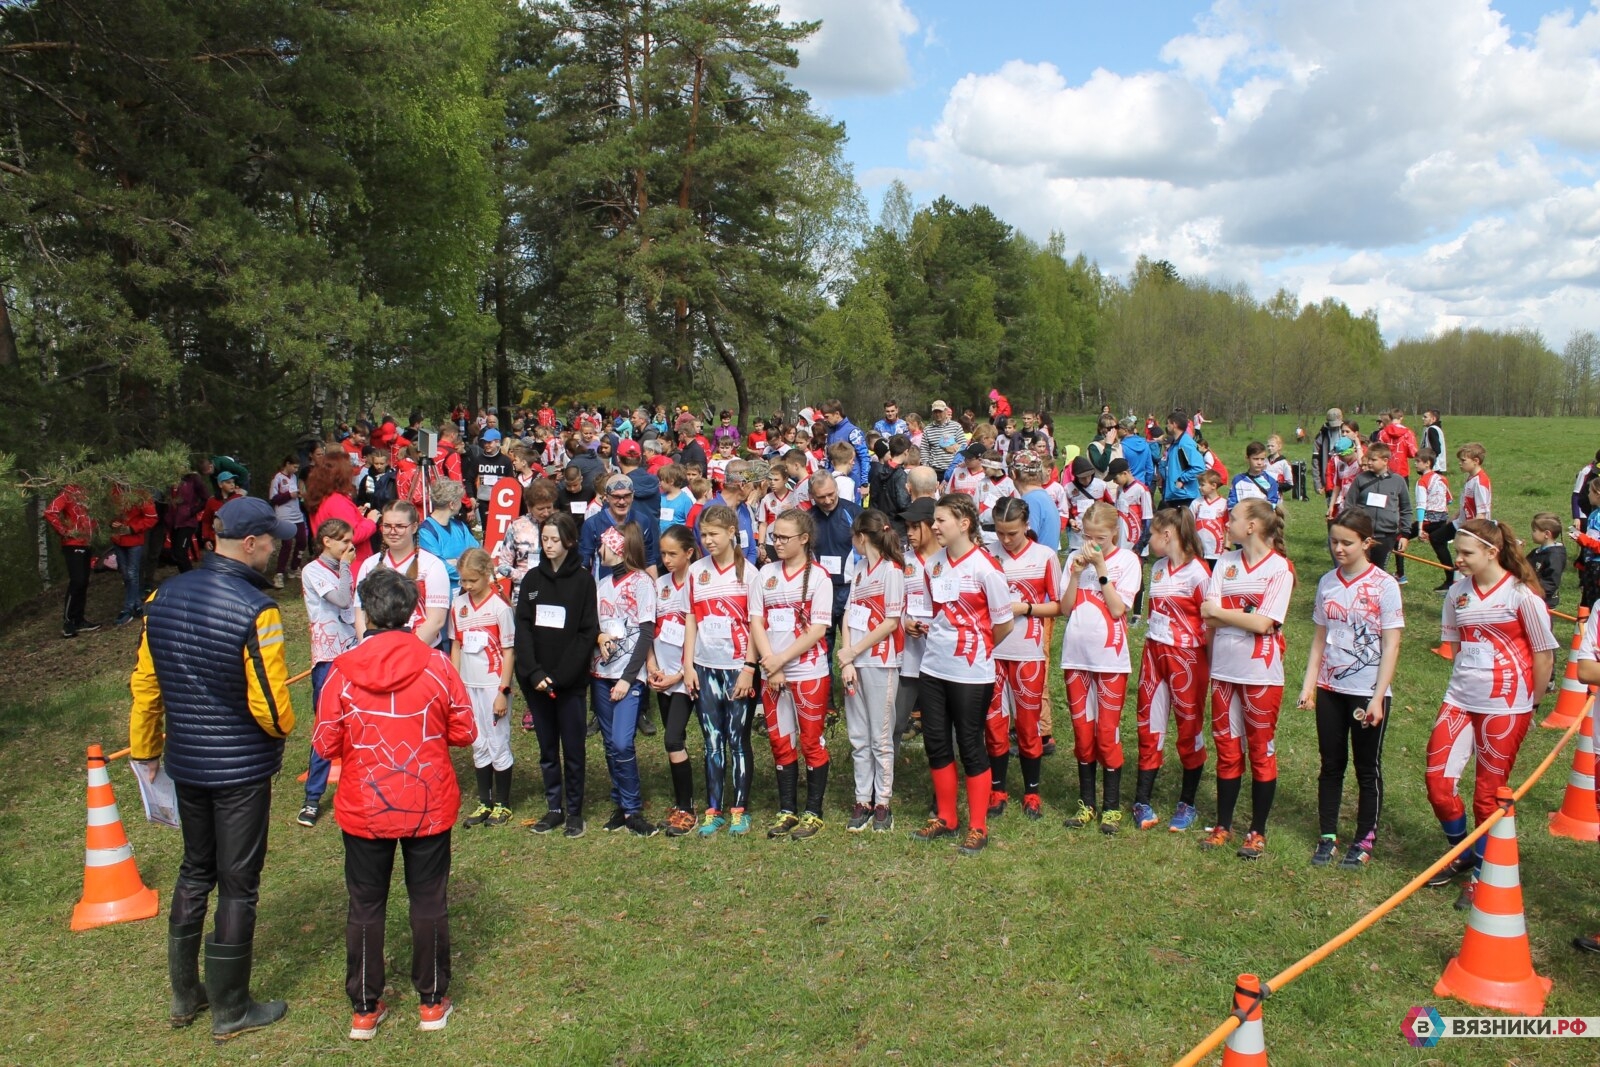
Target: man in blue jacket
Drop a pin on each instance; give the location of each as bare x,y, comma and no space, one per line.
1136,450
842,429
835,519
619,509
1180,475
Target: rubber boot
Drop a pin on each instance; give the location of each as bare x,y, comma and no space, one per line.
183,972
233,1012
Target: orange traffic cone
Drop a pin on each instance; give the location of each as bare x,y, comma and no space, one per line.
333,774
113,892
1445,652
1574,695
1247,1045
1578,818
1495,966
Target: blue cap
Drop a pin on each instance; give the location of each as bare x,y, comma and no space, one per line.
250,516
1341,445
491,434
227,476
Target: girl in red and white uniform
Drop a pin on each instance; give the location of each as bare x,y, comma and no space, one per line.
1246,601
664,671
918,613
869,666
791,605
720,666
1496,623
996,487
1097,588
1210,511
398,525
970,478
1175,667
1033,573
972,615
483,652
1084,489
626,602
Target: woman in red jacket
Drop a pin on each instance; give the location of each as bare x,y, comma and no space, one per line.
68,516
391,709
328,496
127,542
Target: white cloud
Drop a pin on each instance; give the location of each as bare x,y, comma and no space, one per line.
860,49
1345,135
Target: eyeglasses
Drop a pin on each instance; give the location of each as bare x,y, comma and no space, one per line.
401,528
620,496
782,539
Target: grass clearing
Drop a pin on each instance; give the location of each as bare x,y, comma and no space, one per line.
1054,946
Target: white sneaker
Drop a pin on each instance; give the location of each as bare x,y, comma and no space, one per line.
277,581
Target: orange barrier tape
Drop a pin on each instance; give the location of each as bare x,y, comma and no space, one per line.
1441,566
121,752
1215,1039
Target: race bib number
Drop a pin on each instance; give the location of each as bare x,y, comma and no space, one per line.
1377,500
578,507
859,617
1160,630
917,604
781,620
474,641
486,481
832,564
946,587
613,627
668,514
552,616
717,628
1341,645
744,538
671,632
1476,654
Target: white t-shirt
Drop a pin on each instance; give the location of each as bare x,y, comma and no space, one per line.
970,598
1499,629
919,607
1356,612
968,482
773,505
672,610
1211,523
330,608
721,606
1094,640
992,492
433,584
1175,599
876,593
1134,508
1034,577
622,606
1238,655
787,604
1079,501
487,634
289,510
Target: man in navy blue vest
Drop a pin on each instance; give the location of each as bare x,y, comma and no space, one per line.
211,697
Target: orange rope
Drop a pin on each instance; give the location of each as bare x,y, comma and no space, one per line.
1441,566
121,752
1295,970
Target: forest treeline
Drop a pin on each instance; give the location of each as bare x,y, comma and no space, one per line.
231,222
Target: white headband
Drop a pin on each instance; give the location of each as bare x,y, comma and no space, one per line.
1487,544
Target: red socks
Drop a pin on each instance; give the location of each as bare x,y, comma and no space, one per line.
978,788
944,794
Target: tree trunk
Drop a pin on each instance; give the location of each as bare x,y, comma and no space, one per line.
740,386
8,337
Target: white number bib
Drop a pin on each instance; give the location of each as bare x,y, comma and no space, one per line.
717,628
832,564
1476,654
859,617
550,615
780,620
1160,630
946,587
671,632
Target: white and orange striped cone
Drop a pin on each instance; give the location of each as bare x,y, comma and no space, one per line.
1495,966
113,892
1578,818
1571,701
1247,1045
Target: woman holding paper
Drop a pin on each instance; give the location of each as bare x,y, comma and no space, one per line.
558,624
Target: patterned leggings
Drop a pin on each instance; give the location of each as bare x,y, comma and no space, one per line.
726,724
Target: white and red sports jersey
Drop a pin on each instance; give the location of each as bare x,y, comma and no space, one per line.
721,606
773,505
1175,599
1435,493
1134,507
486,631
1589,644
877,593
1034,576
992,492
1356,611
1475,499
1499,630
970,598
330,608
433,583
672,611
1342,476
1058,495
1095,641
1281,472
624,604
968,482
787,603
918,606
1079,500
1238,655
1211,523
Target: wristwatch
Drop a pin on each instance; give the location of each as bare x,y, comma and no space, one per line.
505,690
1105,578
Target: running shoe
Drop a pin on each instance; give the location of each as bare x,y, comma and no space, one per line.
1452,870
678,822
810,825
738,822
1084,816
785,824
1182,818
860,816
637,825
882,819
88,628
1049,746
549,821
1464,901
434,1016
711,820
575,827
1357,857
997,804
1135,621
1216,837
974,842
1144,816
1254,847
1031,807
934,831
1327,845
500,815
1585,943
1110,820
618,820
309,814
1400,580
479,816
364,1024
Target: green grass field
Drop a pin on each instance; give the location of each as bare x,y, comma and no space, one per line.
1053,947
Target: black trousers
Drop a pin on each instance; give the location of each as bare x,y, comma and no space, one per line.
1338,736
368,869
224,847
963,706
182,540
560,725
77,559
1440,537
1378,552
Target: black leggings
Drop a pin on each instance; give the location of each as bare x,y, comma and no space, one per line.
1338,735
559,723
1440,537
675,711
368,868
963,706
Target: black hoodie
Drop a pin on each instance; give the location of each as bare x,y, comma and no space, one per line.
562,648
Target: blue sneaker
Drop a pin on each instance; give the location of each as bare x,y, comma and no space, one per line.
711,821
740,824
1400,580
1144,816
1183,818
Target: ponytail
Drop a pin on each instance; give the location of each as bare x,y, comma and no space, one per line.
1181,522
873,525
1503,539
1258,510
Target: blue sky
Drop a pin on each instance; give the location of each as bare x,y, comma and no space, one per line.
1435,160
